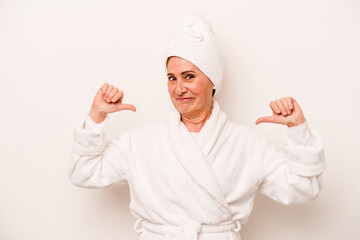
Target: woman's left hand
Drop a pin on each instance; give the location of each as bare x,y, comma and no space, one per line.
285,111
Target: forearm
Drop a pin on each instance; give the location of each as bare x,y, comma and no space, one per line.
94,162
292,175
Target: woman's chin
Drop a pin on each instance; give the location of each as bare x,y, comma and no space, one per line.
183,109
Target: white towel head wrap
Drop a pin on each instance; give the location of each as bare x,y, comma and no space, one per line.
194,40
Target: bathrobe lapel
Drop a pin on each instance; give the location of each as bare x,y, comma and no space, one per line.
193,154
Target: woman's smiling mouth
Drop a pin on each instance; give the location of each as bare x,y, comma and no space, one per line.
183,100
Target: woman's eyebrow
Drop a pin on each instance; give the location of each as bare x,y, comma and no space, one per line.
182,72
187,72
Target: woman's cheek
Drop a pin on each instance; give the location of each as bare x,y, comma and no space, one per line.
195,87
170,88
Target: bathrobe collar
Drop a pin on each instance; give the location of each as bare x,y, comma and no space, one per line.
193,155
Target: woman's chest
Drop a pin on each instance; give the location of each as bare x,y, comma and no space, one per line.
157,165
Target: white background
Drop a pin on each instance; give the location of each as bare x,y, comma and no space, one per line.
54,55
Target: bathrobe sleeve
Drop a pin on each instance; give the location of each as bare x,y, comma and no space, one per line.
293,175
96,162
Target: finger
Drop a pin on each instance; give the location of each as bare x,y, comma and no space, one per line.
109,89
274,108
118,97
112,93
288,100
104,87
270,119
282,109
286,106
127,107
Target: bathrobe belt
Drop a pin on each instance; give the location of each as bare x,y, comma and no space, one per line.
189,232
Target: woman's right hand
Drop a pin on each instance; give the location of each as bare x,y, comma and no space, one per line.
108,100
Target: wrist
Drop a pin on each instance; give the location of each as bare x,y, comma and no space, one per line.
97,116
297,123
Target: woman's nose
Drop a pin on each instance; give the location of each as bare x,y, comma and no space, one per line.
179,87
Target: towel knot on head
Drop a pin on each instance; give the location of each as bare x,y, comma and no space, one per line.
195,36
193,24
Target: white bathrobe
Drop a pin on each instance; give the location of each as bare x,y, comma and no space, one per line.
188,186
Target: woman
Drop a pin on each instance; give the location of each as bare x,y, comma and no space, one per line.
195,175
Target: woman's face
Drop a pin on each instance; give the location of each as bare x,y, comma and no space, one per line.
190,89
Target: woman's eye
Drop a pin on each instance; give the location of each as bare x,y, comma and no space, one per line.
171,78
189,76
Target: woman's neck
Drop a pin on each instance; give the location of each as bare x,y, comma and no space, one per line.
195,123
